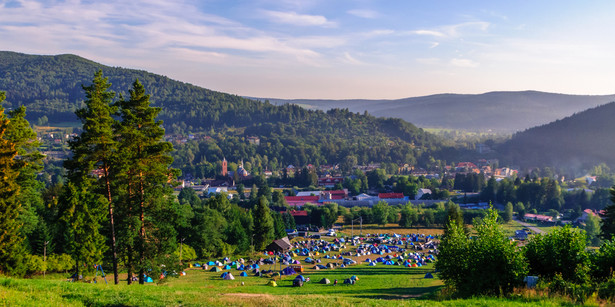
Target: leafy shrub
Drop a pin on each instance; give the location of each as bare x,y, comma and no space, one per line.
487,264
604,261
606,290
560,251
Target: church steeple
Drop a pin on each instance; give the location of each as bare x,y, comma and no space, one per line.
224,167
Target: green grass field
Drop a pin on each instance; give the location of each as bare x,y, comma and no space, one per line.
381,285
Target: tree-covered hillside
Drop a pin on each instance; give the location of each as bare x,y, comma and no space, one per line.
50,86
576,142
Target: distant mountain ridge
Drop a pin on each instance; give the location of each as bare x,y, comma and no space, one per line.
51,89
506,112
577,142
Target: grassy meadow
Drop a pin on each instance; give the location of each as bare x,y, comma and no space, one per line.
380,285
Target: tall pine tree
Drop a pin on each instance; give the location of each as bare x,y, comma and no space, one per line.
93,153
144,164
11,248
263,224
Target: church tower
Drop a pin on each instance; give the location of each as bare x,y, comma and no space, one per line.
224,168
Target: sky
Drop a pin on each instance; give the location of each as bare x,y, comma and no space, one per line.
330,49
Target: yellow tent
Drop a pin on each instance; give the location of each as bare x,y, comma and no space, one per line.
272,283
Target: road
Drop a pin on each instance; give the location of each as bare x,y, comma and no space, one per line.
532,228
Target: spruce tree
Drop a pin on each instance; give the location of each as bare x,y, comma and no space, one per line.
93,153
11,248
263,224
607,226
144,164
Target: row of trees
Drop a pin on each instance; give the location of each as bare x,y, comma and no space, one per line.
488,263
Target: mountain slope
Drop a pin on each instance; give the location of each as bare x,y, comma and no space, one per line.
576,142
496,111
51,86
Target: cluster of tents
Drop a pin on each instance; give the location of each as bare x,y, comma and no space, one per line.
407,259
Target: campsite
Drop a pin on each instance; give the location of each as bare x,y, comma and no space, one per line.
378,278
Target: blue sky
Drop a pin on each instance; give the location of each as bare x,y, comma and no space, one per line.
333,49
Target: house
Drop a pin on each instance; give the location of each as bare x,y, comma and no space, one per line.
300,201
308,193
391,196
217,190
421,193
254,140
329,182
335,195
281,245
538,218
586,213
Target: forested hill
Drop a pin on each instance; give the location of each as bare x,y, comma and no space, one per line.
497,111
51,86
576,142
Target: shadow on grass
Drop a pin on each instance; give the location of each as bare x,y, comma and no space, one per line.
394,293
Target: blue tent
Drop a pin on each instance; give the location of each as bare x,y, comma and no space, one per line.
288,271
243,274
211,263
428,275
223,274
255,266
241,268
227,267
300,277
372,263
197,265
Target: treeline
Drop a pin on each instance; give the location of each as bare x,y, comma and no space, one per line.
115,206
50,86
488,263
575,143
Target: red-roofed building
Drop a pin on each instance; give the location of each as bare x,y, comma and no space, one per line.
329,182
337,194
300,201
390,195
537,217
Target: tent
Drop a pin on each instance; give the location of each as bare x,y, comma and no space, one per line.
316,267
354,277
300,277
256,271
211,263
227,267
229,276
255,266
215,269
324,281
372,264
288,271
243,274
428,275
223,274
148,279
272,283
330,265
258,274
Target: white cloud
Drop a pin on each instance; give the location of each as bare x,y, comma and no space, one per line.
351,60
293,18
363,13
428,32
465,63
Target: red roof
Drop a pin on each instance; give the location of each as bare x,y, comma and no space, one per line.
466,164
299,213
390,195
301,198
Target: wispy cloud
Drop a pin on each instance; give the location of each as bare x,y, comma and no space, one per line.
364,13
465,63
293,18
350,59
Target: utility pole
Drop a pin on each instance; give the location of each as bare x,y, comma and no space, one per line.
45,257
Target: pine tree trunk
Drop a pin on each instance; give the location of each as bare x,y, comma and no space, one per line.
116,279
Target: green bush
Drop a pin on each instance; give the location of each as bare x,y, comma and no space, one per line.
561,251
603,261
488,264
606,290
35,264
59,263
